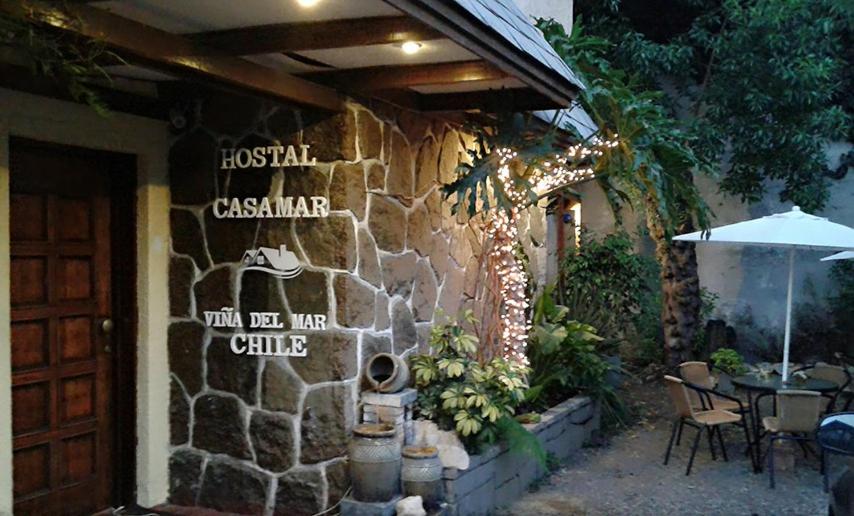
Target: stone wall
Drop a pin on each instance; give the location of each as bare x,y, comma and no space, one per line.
268,435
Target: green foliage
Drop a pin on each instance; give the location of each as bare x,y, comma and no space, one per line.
520,440
648,333
477,188
564,360
822,319
708,303
458,393
729,361
610,287
653,163
842,301
765,81
74,62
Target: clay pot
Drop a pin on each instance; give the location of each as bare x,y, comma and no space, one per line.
422,474
387,373
374,463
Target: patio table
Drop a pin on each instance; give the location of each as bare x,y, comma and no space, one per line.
771,385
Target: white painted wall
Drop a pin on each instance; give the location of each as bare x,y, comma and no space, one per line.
56,121
560,10
746,278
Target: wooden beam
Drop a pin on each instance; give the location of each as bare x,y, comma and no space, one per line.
21,78
404,76
490,101
451,20
173,53
290,37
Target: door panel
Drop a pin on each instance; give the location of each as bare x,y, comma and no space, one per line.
62,370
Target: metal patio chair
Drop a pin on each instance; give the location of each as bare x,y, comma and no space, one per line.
833,373
698,373
798,414
835,436
702,418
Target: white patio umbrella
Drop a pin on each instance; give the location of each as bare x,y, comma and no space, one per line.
792,230
844,255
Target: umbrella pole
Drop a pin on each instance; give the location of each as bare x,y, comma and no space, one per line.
787,337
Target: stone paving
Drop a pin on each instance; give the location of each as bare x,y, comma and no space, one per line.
626,476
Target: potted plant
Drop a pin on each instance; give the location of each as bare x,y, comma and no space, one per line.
457,392
729,363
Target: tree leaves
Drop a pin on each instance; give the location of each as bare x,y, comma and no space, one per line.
765,83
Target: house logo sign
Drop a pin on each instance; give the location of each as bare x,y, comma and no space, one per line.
280,262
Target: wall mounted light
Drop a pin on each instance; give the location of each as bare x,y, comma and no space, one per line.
411,47
308,3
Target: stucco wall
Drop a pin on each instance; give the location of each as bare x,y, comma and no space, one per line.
560,10
51,120
268,434
751,281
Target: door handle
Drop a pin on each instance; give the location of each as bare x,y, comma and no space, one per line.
106,327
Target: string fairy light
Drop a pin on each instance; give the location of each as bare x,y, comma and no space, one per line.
502,232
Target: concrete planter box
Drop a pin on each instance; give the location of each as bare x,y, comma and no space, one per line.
498,477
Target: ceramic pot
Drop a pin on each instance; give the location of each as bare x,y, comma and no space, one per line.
422,474
387,373
614,376
374,463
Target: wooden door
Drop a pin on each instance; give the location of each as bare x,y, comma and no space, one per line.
62,362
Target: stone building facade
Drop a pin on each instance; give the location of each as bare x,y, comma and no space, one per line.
264,434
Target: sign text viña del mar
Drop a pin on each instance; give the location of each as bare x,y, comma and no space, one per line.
263,332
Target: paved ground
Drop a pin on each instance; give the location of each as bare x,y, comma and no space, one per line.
626,476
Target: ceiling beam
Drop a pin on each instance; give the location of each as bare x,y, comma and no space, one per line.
403,76
21,78
292,37
173,53
490,101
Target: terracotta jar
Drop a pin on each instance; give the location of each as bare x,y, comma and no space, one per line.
387,373
422,474
374,463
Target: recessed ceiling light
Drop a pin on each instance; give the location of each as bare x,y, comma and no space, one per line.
308,3
411,47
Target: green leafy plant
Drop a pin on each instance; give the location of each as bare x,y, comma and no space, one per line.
603,284
74,62
564,360
841,302
729,361
458,393
708,303
651,168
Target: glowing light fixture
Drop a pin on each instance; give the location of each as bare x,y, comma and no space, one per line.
411,47
308,3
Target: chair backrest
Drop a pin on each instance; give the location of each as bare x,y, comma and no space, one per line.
679,395
798,410
698,374
835,374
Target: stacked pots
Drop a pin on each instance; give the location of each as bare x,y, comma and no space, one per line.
422,474
375,463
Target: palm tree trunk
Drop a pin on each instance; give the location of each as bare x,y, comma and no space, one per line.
680,288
